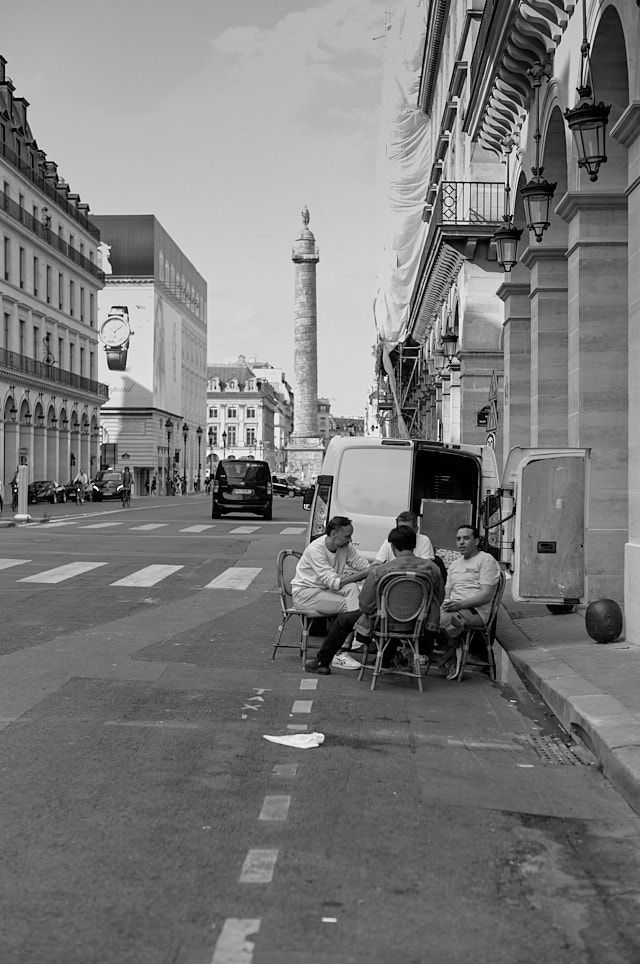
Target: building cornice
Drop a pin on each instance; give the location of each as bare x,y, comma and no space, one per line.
513,37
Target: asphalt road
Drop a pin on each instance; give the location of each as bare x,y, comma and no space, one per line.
145,819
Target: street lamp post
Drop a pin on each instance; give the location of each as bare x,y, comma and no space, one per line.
224,444
199,434
185,435
169,426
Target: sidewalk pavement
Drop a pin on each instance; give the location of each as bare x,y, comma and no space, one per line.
593,689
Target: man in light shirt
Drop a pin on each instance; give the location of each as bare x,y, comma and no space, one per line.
424,546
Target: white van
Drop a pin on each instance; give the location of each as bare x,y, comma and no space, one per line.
533,519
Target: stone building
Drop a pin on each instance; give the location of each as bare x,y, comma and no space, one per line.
241,414
49,285
546,353
155,419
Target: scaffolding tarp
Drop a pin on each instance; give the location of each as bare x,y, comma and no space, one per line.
404,163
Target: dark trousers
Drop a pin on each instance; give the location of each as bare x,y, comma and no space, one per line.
343,624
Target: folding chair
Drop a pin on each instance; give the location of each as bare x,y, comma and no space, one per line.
286,568
402,605
485,633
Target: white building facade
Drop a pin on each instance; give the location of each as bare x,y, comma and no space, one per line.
155,419
49,285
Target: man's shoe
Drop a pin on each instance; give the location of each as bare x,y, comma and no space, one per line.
344,661
315,666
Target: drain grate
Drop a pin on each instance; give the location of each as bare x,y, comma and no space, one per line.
553,750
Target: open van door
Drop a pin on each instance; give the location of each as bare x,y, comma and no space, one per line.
543,502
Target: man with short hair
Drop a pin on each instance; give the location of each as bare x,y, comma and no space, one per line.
402,540
327,574
471,583
424,546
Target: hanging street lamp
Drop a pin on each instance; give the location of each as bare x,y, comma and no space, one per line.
508,235
587,120
537,193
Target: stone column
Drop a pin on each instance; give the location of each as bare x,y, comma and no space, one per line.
627,132
517,365
305,449
598,394
549,331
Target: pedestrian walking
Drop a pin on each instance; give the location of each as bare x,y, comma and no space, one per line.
154,485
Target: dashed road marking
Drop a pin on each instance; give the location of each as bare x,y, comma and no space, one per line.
8,563
101,525
292,531
298,727
259,867
243,530
234,578
308,684
275,808
285,769
232,947
148,576
302,706
197,528
60,573
149,526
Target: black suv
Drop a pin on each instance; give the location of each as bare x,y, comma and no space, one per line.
242,485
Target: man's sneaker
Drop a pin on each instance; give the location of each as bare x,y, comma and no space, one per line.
344,661
315,666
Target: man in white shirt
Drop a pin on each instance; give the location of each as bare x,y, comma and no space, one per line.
319,584
424,546
471,583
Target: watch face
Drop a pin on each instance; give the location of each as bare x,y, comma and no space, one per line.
115,330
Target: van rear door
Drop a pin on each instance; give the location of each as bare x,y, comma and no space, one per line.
545,491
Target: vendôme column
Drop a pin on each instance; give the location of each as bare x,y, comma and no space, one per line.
305,449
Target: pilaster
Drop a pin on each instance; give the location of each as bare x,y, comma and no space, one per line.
597,258
549,344
517,365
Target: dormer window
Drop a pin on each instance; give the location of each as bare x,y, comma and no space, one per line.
251,386
233,385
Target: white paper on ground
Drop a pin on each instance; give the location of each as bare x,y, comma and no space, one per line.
303,741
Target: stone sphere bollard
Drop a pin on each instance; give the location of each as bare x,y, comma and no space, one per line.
603,620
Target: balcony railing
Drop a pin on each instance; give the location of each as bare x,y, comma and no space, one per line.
469,202
29,366
18,213
47,188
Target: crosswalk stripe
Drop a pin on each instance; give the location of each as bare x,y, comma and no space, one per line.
101,525
243,530
291,531
60,573
149,526
148,576
234,578
197,528
8,563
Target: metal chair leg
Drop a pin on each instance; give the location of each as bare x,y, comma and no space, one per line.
279,636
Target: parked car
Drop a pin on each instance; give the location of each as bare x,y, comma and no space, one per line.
47,491
106,485
285,485
242,486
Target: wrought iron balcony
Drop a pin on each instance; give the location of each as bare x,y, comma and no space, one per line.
14,362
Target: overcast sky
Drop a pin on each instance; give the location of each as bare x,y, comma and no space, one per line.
224,119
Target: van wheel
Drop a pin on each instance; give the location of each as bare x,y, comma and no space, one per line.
292,494
268,514
560,609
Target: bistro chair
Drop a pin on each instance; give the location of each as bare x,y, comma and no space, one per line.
286,568
484,634
402,604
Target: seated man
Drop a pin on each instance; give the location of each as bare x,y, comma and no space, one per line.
403,541
320,585
471,583
424,546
